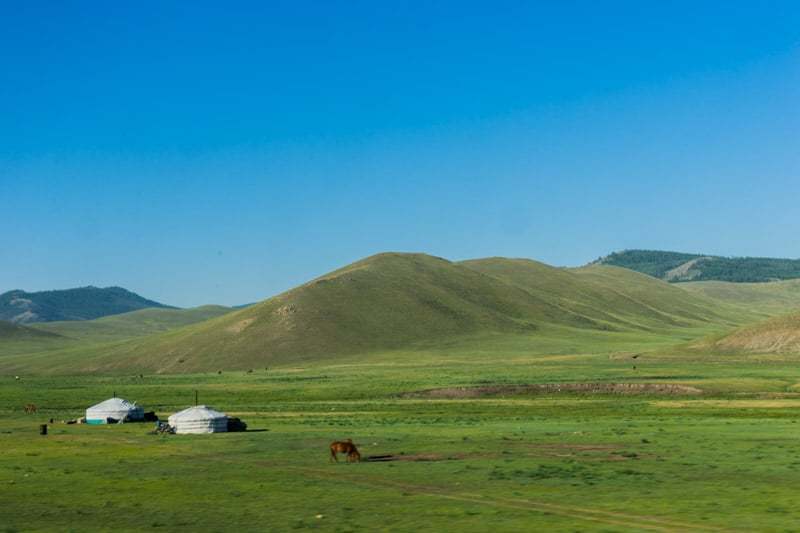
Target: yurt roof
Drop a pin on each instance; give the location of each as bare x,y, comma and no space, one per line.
115,404
201,412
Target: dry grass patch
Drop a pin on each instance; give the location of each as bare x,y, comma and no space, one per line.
729,404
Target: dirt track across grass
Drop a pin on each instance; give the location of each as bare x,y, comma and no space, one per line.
555,388
613,518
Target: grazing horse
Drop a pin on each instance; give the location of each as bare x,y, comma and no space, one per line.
30,409
347,447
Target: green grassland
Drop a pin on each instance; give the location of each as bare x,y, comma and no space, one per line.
355,354
726,460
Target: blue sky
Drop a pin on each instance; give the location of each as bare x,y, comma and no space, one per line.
198,153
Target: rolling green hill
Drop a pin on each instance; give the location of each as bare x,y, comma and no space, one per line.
675,266
45,338
414,301
11,331
16,338
777,335
772,298
613,298
85,303
133,324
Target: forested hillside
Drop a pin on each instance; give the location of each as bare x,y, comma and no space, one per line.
84,303
676,266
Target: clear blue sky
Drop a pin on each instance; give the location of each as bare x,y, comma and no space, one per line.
200,152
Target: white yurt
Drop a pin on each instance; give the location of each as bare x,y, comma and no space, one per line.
199,419
116,408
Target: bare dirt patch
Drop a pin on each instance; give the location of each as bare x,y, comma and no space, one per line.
685,271
576,447
413,457
583,452
430,457
241,325
485,391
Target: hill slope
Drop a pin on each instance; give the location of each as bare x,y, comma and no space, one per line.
394,301
16,332
613,297
776,297
48,337
675,266
83,303
16,338
776,335
134,324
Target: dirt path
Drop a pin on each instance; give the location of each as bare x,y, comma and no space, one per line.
489,391
630,521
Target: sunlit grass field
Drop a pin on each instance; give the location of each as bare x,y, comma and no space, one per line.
728,459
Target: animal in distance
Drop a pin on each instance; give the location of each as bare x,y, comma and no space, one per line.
346,447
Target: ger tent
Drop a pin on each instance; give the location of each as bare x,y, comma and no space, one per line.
114,408
199,419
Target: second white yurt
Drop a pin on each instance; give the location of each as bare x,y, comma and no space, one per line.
116,409
199,419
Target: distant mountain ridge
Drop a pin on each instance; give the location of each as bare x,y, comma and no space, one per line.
83,303
676,266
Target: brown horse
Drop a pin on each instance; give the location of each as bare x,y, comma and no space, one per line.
30,409
345,446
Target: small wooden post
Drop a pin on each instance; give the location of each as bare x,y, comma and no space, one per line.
43,429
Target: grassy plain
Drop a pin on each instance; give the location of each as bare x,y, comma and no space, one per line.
728,459
333,359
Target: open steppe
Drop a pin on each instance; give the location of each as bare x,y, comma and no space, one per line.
511,394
